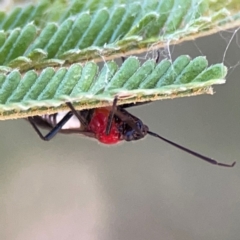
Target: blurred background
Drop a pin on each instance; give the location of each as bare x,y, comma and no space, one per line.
74,188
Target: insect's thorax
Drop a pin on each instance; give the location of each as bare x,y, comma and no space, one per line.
98,125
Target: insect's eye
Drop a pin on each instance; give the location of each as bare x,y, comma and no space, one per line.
143,128
134,134
129,136
139,125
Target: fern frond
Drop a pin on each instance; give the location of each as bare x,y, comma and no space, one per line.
105,33
48,57
46,91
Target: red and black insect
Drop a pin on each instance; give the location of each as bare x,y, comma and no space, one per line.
109,125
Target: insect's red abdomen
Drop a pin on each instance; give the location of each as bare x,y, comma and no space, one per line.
98,125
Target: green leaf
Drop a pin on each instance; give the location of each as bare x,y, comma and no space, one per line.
99,30
49,50
85,86
19,17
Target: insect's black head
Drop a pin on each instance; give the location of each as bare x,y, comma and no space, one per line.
131,133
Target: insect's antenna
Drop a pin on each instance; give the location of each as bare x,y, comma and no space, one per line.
207,159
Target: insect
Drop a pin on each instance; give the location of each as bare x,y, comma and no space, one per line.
109,125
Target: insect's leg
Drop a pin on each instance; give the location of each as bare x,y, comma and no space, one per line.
54,131
127,117
81,119
111,115
158,56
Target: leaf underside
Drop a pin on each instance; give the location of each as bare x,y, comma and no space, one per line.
48,57
86,86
